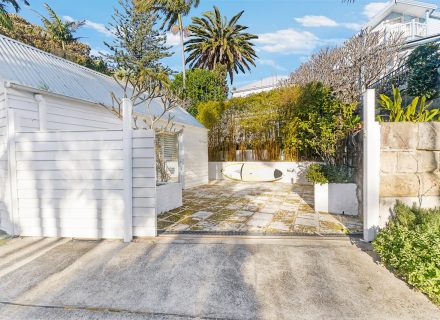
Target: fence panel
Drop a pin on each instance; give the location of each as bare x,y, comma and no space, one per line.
144,184
70,184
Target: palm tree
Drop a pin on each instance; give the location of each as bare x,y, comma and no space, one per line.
173,11
58,29
216,41
5,21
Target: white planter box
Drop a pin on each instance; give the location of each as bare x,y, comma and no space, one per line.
338,198
169,197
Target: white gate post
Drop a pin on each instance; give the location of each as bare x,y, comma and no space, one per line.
127,112
371,167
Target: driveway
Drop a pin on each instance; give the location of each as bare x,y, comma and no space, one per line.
253,208
184,278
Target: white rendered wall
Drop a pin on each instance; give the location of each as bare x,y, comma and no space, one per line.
293,172
195,148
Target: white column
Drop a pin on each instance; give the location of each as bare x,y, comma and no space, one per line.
127,112
371,167
427,17
42,111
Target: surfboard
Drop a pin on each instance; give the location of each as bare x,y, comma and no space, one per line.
252,173
233,171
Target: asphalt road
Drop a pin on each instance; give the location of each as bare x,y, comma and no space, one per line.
213,278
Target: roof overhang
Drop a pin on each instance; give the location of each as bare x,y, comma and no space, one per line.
21,87
414,8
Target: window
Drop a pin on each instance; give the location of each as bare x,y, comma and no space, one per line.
167,157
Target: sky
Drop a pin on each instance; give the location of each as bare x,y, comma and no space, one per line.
289,30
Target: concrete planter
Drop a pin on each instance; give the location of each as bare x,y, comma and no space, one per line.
169,197
338,198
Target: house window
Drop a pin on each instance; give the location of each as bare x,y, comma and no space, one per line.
167,157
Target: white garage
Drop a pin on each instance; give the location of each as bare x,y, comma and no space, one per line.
68,165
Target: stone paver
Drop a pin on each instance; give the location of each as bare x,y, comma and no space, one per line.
253,207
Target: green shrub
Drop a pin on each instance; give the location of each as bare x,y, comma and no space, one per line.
327,173
316,175
410,246
414,112
202,85
423,64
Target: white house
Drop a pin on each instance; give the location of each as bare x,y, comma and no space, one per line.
262,85
415,19
69,166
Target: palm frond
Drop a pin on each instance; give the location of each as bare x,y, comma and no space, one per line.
5,21
215,40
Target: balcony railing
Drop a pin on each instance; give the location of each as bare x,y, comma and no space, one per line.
410,30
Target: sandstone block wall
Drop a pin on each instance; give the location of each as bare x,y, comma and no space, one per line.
410,165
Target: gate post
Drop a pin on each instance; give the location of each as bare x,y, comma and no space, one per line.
127,138
371,167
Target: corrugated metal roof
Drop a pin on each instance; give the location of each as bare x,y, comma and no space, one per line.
31,67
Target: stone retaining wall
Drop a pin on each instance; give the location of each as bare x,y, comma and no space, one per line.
410,165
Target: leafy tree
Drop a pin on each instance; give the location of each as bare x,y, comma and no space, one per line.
37,37
424,64
5,20
58,29
138,47
201,86
173,11
137,50
210,112
216,41
318,122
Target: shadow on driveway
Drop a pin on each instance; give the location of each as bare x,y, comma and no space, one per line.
202,277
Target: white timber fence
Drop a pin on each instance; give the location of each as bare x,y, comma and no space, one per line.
88,184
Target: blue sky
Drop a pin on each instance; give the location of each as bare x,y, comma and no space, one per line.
289,30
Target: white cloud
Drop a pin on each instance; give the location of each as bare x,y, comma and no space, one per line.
99,27
352,26
173,39
373,8
98,52
323,21
287,41
317,21
271,63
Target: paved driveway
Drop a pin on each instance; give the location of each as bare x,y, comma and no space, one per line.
226,278
253,208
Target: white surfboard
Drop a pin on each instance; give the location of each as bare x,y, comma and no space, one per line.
249,172
233,171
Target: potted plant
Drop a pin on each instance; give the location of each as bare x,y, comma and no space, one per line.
335,191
